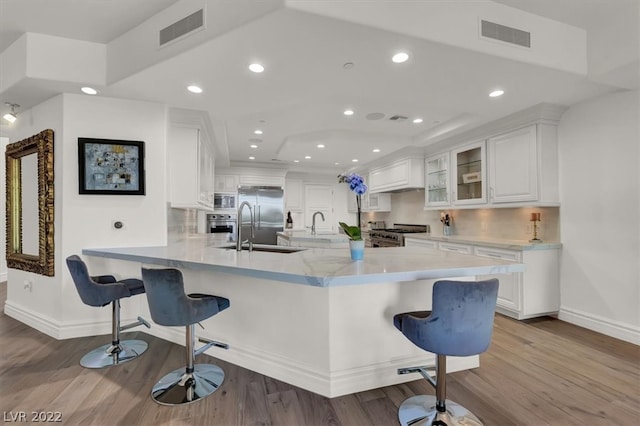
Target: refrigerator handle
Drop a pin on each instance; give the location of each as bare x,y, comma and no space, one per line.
258,207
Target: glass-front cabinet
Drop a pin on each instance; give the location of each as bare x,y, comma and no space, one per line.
437,181
469,174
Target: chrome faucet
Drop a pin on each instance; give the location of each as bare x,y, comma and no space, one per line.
313,222
239,241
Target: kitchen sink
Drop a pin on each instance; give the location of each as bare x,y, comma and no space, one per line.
266,248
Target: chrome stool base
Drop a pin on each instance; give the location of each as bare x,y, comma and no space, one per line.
421,410
179,387
109,355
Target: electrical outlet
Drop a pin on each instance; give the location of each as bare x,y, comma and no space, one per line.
28,286
483,226
529,228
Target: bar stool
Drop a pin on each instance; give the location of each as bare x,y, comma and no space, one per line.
459,324
100,291
170,306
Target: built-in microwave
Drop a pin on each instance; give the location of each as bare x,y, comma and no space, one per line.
224,201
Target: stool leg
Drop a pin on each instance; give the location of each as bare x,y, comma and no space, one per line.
436,410
190,383
117,352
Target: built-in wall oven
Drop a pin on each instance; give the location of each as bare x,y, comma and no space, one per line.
223,225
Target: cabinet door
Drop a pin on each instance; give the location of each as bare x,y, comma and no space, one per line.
510,288
294,195
437,181
319,198
205,174
455,248
377,202
513,167
414,242
469,174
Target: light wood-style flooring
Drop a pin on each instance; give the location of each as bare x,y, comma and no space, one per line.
537,372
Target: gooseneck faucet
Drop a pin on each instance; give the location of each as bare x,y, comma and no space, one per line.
313,222
239,241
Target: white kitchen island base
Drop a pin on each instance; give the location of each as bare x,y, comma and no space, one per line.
326,335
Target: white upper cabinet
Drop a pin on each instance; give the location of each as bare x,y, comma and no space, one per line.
437,181
191,169
400,175
513,166
226,183
468,164
294,195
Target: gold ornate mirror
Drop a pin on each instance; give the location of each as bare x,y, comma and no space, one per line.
29,163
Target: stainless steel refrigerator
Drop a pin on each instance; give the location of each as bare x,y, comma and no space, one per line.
267,204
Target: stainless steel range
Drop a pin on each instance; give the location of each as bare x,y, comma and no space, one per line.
394,237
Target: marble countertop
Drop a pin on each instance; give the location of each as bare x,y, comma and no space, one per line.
316,267
489,242
305,235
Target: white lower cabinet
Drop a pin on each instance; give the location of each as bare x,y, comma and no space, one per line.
411,242
521,295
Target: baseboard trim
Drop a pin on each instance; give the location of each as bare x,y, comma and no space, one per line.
611,328
331,385
57,329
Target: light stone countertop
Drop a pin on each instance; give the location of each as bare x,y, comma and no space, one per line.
489,242
316,266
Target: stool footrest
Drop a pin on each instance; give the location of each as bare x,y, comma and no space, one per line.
141,321
208,344
427,371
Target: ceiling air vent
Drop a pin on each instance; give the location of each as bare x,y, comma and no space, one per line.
182,27
398,117
504,33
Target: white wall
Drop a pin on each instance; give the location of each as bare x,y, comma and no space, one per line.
600,215
81,221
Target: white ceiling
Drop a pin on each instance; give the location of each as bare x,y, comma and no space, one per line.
298,100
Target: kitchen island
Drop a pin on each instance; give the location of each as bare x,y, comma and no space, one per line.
312,318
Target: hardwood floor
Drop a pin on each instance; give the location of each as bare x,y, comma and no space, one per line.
537,372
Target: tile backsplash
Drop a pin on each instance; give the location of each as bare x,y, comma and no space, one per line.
180,222
506,223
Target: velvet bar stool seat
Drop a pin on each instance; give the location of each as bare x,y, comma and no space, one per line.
170,306
459,324
101,291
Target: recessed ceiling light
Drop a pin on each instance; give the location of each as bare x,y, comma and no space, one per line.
252,158
496,93
355,160
417,120
257,68
376,149
89,90
257,132
337,163
307,157
320,145
400,57
296,161
194,89
253,146
348,112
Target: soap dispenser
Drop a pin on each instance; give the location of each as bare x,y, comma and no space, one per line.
289,221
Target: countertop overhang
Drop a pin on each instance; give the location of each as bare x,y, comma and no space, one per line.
314,267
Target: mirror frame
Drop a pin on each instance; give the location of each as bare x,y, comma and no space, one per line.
43,263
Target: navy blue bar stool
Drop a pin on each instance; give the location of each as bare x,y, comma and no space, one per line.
459,324
100,291
170,306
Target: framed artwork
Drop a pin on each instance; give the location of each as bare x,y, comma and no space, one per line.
110,167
